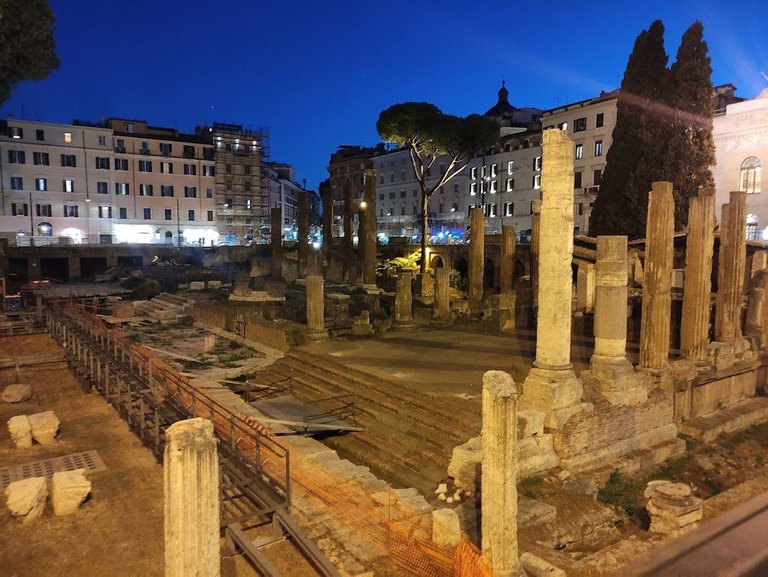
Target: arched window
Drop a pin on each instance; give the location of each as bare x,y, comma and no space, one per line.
749,177
44,229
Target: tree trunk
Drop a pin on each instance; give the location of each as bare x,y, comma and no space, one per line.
424,231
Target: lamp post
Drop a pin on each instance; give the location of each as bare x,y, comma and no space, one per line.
178,224
31,220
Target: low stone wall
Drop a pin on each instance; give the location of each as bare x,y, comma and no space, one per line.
708,395
278,334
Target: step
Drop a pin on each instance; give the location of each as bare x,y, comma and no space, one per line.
727,420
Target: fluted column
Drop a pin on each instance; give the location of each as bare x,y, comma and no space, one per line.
315,307
302,242
730,274
499,475
697,286
403,313
476,258
507,264
441,313
535,242
191,471
551,385
657,282
276,243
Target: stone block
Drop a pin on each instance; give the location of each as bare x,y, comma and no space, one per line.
530,422
537,567
45,427
123,309
214,284
20,430
446,529
17,393
464,463
26,498
68,490
530,512
197,285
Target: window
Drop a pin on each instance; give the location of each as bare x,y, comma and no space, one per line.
189,151
68,160
41,185
120,145
209,216
16,157
68,185
597,176
41,158
578,152
102,162
577,179
17,183
146,190
537,163
580,209
190,192
563,126
247,186
43,210
39,134
492,209
472,188
145,166
599,120
165,148
455,189
509,208
494,169
102,187
511,167
19,209
208,153
105,211
121,164
579,124
209,170
129,126
168,214
536,181
598,147
147,213
122,213
190,169
102,140
209,193
402,194
166,190
68,137
17,132
228,184
70,210
166,168
473,173
510,184
391,195
750,175
228,168
493,187
121,188
190,215
247,169
381,179
144,148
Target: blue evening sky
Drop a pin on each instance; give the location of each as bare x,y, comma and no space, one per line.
318,72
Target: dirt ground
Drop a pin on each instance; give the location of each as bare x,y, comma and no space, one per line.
118,531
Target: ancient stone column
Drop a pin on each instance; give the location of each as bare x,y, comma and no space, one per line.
191,471
368,228
276,242
349,242
327,222
499,475
753,325
535,236
657,281
609,365
315,307
551,385
302,240
507,264
757,262
697,286
441,312
476,258
585,287
403,313
730,273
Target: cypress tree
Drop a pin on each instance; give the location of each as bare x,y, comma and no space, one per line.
621,204
690,147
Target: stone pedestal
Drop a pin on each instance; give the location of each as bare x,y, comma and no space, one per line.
616,376
302,235
657,282
507,263
552,386
499,480
672,507
730,272
276,243
403,310
368,232
191,471
476,261
441,312
697,287
315,308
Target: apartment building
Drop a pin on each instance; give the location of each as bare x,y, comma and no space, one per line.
589,123
279,184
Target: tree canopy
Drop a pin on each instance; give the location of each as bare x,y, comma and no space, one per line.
663,132
428,133
27,47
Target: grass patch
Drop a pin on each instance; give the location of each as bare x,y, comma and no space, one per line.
530,487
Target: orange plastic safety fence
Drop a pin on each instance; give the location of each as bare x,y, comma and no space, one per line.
468,561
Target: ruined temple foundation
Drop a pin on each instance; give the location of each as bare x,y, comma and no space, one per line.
191,469
403,309
315,308
552,386
609,366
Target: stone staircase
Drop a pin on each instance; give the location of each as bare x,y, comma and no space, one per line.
164,307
